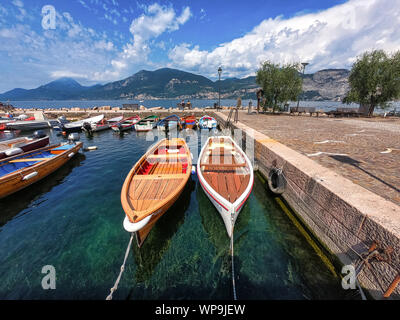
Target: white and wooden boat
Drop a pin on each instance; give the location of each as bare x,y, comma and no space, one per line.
9,148
154,184
226,176
20,171
147,124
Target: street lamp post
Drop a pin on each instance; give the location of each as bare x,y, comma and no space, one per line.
304,64
219,87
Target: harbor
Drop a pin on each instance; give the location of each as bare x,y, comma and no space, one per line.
73,222
95,212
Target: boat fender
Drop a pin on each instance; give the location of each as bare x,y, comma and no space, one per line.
71,155
13,151
193,169
30,176
276,181
91,148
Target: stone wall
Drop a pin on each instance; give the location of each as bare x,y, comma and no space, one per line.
346,218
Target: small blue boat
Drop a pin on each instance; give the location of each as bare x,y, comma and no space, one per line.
207,122
171,122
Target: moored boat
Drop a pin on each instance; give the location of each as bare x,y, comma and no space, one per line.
100,126
207,122
189,122
76,126
16,146
18,172
30,125
125,124
147,124
172,122
226,176
154,184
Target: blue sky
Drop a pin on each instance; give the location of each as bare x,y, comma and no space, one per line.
97,41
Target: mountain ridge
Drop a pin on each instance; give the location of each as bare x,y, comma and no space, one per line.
167,83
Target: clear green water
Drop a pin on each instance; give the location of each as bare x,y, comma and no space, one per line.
73,221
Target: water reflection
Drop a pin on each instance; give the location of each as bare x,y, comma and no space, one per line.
159,239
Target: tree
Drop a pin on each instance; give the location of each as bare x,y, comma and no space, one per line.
374,80
279,83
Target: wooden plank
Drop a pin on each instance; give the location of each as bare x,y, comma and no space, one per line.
222,190
230,183
236,178
245,183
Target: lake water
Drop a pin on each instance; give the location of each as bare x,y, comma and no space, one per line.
72,220
327,105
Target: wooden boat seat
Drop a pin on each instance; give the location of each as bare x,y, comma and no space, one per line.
159,176
212,166
165,156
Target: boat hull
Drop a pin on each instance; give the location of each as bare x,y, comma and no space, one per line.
14,181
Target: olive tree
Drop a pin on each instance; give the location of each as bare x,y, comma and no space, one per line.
374,80
280,84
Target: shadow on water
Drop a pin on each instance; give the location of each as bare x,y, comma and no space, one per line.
159,239
17,202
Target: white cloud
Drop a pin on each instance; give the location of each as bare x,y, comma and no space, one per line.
329,38
157,20
18,3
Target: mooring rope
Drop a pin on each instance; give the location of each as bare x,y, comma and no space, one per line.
233,265
115,287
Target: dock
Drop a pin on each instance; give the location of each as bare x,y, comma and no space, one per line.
342,182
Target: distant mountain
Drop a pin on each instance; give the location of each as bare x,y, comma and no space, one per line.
169,83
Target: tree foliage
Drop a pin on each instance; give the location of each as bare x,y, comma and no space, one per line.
375,80
280,84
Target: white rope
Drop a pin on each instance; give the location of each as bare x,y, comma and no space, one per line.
115,287
233,265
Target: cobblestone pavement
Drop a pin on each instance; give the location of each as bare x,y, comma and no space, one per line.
365,151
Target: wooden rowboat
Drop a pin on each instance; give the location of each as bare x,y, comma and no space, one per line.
147,124
154,184
226,176
20,171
